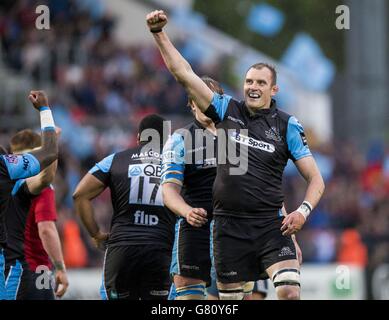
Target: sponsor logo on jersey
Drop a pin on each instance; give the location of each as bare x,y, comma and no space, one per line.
149,154
134,171
11,158
141,218
251,142
26,163
152,170
236,120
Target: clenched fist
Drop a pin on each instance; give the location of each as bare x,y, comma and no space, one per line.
38,99
156,20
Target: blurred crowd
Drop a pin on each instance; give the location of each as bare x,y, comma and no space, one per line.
103,89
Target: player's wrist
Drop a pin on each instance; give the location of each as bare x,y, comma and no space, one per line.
47,120
305,209
59,266
155,30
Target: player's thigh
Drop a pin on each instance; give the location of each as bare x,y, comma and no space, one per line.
154,280
191,255
233,251
120,272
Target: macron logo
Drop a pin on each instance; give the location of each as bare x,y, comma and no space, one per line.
145,219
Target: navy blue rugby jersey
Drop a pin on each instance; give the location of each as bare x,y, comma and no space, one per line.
270,137
12,168
191,163
139,217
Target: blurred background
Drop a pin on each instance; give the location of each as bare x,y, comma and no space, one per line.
98,62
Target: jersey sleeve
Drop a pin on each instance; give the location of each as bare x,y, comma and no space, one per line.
20,166
297,142
101,170
44,206
173,160
218,107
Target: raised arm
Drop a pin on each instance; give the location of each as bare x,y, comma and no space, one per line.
175,62
49,150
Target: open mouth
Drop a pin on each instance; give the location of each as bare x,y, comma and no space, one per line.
254,95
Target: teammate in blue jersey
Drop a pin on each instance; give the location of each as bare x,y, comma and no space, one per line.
251,238
188,173
14,167
138,254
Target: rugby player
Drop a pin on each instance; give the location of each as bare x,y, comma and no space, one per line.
251,238
138,254
188,173
32,233
14,167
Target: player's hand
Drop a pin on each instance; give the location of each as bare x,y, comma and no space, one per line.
38,99
156,20
196,217
100,240
292,223
298,251
58,131
61,283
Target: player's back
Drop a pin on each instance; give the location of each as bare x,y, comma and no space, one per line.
138,213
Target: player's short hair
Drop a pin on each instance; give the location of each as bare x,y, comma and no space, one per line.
212,84
271,67
3,150
152,121
25,140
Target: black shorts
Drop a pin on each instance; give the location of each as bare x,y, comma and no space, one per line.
16,280
191,251
39,286
244,248
136,272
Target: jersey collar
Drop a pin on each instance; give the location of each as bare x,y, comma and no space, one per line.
262,112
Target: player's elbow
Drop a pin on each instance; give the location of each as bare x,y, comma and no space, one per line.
46,230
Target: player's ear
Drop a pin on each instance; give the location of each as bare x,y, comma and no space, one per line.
274,90
138,138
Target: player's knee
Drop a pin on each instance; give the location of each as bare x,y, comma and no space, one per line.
231,291
248,288
191,292
287,283
288,293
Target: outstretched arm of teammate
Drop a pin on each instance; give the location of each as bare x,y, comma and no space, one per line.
176,63
51,243
294,221
172,199
49,150
88,189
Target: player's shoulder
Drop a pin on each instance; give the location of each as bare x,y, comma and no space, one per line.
282,115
